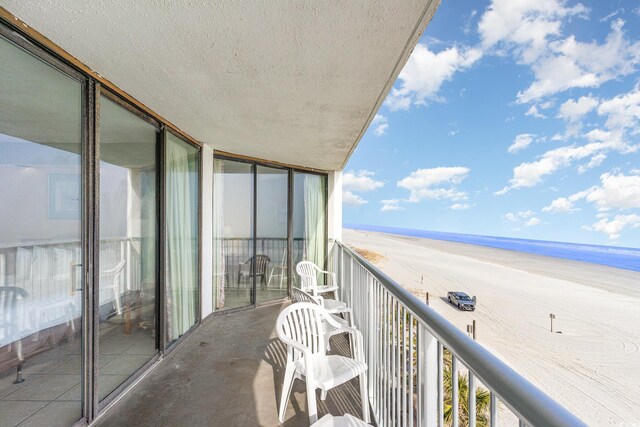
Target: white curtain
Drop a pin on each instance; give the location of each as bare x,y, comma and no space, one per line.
219,272
182,239
314,218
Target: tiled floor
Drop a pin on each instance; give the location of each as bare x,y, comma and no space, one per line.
51,392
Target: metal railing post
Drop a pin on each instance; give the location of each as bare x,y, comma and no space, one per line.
427,377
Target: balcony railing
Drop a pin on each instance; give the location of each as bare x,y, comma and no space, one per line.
407,345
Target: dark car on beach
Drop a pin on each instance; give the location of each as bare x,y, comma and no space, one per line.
462,301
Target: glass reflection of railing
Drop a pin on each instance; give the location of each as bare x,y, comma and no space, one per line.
48,276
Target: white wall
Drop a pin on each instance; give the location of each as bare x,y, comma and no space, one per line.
334,206
207,231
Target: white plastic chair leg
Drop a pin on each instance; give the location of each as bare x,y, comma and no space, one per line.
323,395
287,385
311,402
364,397
117,297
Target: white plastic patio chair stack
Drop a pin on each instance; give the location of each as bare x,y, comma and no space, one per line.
301,327
298,295
308,273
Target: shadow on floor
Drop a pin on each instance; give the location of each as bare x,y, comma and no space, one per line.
228,372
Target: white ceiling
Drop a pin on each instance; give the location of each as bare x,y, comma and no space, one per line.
291,81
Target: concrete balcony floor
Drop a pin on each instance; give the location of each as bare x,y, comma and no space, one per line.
228,372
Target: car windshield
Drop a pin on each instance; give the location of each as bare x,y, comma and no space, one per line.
464,298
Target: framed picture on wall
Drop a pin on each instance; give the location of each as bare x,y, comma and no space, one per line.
64,196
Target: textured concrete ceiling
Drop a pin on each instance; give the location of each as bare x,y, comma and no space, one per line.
292,81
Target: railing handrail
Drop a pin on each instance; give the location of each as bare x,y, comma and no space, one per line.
526,400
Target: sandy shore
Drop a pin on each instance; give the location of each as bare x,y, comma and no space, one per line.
592,367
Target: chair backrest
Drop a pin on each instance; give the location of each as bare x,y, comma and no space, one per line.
9,296
298,295
308,274
261,264
299,326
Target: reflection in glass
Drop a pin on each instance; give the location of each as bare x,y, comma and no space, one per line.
40,241
233,234
271,233
309,219
182,230
128,245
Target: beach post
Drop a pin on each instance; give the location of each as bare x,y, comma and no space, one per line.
552,316
427,298
473,329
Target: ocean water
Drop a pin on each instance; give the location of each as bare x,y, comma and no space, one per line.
627,258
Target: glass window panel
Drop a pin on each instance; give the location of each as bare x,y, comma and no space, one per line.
41,289
271,233
128,245
183,233
309,219
233,233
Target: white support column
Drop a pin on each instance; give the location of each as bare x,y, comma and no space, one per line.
207,231
334,206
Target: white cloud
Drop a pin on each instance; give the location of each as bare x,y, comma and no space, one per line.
560,205
529,174
532,222
594,162
391,205
525,218
514,217
460,206
612,15
570,64
425,72
572,111
510,217
533,112
524,25
348,198
614,227
623,111
616,191
521,142
435,183
360,181
379,124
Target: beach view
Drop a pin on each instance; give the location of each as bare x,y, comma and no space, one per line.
589,363
505,164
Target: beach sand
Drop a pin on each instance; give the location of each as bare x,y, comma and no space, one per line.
592,368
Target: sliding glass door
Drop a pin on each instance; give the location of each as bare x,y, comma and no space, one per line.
128,245
233,244
271,233
41,250
266,219
182,244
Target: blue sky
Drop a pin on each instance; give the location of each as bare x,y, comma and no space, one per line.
516,118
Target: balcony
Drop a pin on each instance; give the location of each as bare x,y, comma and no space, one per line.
227,373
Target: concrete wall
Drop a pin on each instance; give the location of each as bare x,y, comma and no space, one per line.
334,206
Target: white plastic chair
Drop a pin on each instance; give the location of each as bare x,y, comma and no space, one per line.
282,267
301,327
116,273
308,273
298,295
